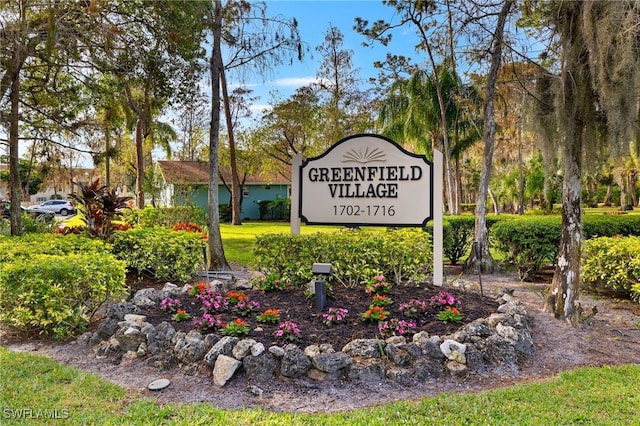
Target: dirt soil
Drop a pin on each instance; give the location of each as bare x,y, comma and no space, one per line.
612,337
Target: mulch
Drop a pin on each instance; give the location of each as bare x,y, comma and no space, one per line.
295,306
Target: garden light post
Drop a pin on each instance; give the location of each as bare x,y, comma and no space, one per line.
319,284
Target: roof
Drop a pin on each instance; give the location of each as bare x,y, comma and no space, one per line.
197,172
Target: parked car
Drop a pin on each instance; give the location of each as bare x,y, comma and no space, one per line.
5,211
62,207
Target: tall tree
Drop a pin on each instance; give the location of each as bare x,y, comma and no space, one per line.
420,15
598,76
254,42
339,81
489,132
217,259
39,44
153,49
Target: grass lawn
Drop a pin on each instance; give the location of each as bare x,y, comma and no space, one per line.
33,386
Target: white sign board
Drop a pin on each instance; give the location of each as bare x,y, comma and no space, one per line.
366,180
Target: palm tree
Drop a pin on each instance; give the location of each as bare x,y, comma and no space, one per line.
411,113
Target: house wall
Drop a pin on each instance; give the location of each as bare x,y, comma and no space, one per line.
253,194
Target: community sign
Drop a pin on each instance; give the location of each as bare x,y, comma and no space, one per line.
366,180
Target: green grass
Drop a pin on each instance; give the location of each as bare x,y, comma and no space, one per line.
603,396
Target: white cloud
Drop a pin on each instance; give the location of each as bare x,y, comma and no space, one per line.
295,81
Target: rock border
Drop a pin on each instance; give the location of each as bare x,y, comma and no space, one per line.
502,340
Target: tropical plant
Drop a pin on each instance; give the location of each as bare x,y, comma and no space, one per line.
100,206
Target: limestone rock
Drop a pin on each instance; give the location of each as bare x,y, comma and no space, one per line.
399,375
119,310
145,298
402,354
331,362
427,368
243,348
260,367
159,339
370,348
366,370
294,362
224,346
448,347
190,349
225,367
456,369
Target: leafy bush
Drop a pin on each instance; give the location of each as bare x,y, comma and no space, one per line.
611,225
15,248
356,256
458,235
163,253
528,243
57,294
613,264
166,217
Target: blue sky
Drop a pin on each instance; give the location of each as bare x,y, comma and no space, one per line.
314,19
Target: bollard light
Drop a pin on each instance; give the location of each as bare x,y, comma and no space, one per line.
319,285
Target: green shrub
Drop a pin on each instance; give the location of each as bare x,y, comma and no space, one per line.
613,264
57,294
528,242
531,241
458,234
611,225
166,217
12,248
355,255
163,253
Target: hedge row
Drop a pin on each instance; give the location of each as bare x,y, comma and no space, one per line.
356,256
530,242
52,284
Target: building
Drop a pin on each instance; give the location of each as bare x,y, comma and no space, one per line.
187,183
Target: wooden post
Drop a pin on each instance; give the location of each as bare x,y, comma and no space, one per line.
438,205
294,220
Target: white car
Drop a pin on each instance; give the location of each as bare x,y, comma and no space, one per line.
55,206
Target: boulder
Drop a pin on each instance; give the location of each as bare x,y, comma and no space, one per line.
294,362
242,348
190,348
224,368
145,298
260,367
370,348
331,362
159,338
224,346
366,370
119,310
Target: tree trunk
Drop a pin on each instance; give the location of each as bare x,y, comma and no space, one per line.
14,166
488,265
565,286
216,259
107,168
235,181
576,90
520,161
139,163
